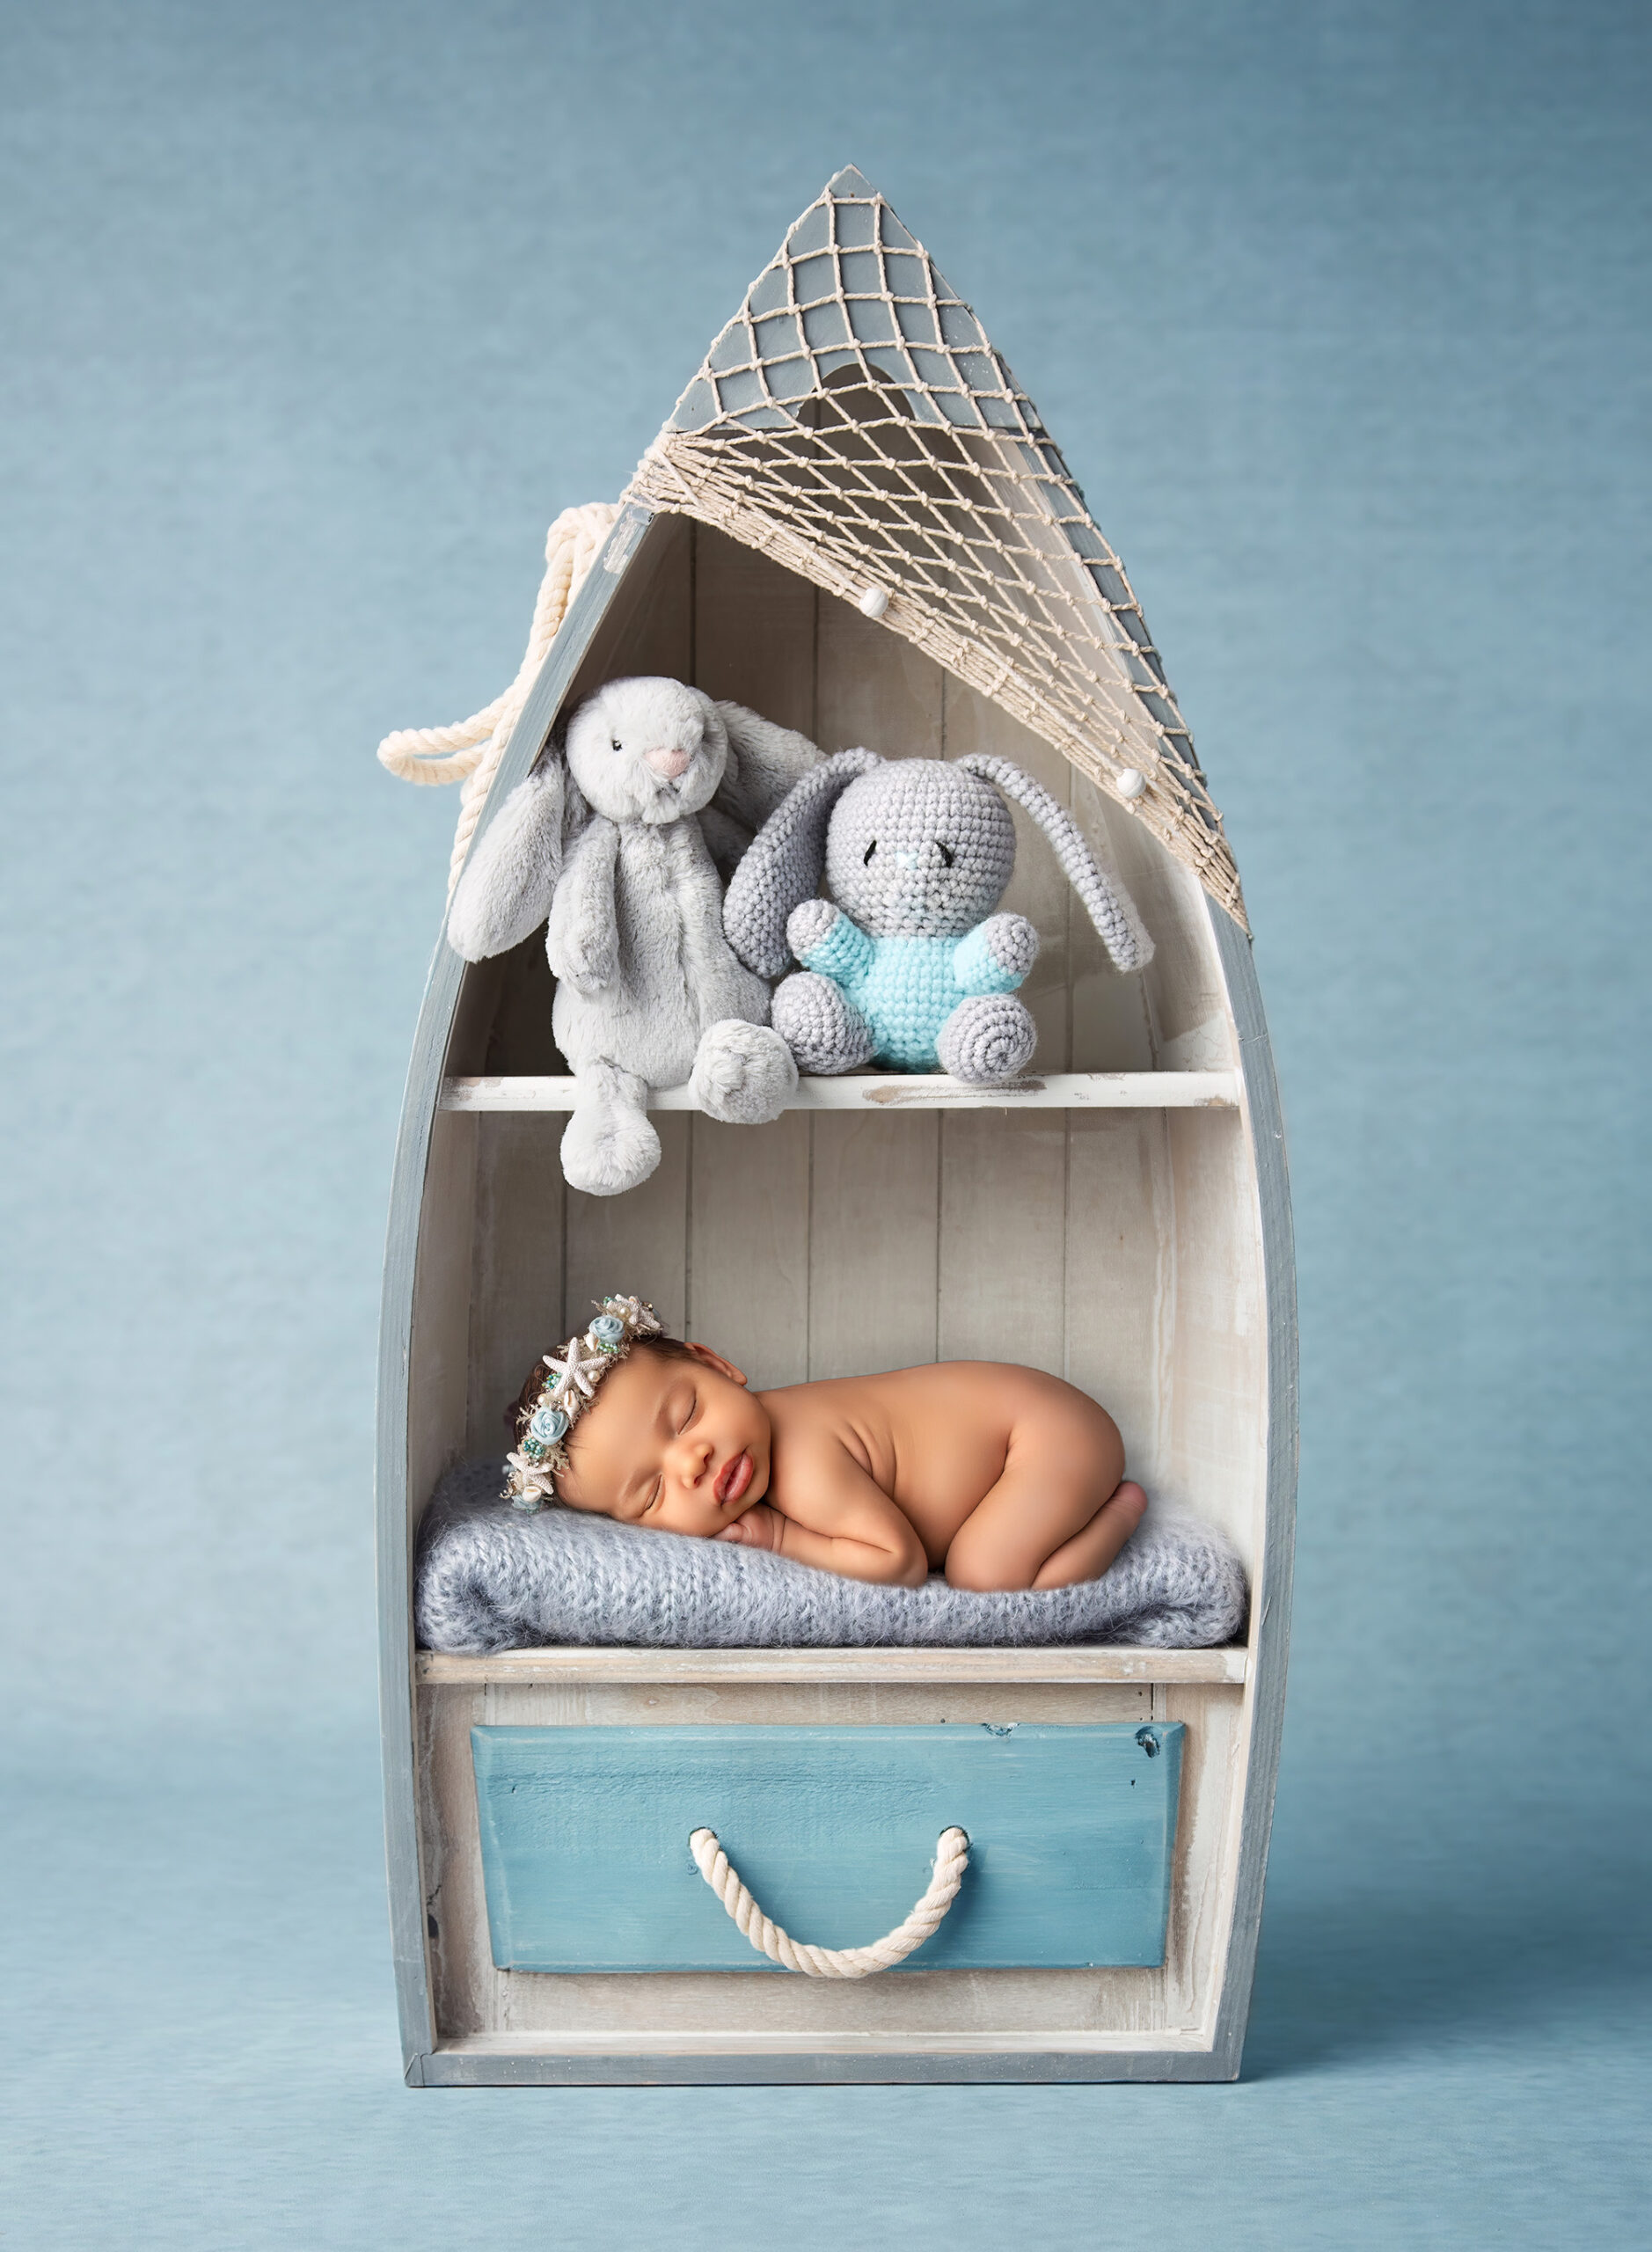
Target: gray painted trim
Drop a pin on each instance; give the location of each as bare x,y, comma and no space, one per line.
1265,1689
396,1710
451,2068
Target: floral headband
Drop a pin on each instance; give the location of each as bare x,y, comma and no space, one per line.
567,1392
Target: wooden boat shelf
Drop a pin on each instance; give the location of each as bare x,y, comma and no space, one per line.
1061,1662
910,1091
1119,1217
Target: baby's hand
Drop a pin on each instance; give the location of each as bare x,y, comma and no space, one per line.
759,1528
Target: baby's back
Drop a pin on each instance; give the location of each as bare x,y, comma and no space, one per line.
936,1440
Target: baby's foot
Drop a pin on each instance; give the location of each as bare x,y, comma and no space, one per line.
1130,1502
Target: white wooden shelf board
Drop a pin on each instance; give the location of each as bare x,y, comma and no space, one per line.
904,1091
1057,1663
674,2042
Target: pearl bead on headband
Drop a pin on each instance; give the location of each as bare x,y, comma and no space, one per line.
567,1392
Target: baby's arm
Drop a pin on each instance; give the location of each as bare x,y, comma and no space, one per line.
838,1519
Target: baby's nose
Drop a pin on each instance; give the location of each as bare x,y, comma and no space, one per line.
692,1458
670,764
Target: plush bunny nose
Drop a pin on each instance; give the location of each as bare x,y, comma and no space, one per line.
670,764
905,859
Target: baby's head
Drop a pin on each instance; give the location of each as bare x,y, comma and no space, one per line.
668,1437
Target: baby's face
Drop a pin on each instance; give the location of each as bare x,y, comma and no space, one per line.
681,1445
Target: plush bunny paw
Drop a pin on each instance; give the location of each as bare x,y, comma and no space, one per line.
823,1029
990,1036
608,1145
1011,941
743,1073
808,925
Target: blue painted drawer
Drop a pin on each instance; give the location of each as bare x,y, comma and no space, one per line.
585,1842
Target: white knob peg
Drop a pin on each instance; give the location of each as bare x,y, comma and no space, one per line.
874,603
1130,781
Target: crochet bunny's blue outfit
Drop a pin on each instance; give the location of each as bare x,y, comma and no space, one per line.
907,988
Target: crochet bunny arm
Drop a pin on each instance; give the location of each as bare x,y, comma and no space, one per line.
582,942
824,939
995,955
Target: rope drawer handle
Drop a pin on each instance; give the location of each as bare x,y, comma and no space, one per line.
952,1856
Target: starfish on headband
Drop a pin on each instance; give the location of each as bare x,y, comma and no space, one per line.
567,1391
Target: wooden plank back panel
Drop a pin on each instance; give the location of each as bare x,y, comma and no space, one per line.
873,1243
748,1251
637,1242
1003,1247
1216,1409
1121,1279
873,690
747,1260
1111,1031
517,1266
753,631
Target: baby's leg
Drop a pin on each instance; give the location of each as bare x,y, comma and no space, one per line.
1060,1512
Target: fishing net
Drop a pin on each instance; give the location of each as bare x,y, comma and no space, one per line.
854,422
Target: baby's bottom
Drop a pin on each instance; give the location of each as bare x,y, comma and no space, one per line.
1060,1512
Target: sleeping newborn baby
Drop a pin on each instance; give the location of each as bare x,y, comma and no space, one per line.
1002,1476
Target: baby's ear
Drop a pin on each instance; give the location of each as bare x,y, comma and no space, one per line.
716,1361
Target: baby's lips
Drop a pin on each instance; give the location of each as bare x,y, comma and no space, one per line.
734,1478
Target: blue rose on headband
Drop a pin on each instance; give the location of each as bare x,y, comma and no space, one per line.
608,1330
547,1425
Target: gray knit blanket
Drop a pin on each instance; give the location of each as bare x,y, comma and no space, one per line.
491,1577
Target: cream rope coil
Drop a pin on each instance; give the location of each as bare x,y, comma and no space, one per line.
952,1857
471,749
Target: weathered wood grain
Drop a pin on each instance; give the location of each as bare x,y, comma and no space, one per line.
584,1840
1056,1661
904,1091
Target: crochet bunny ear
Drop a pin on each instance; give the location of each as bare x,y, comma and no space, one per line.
783,867
1108,906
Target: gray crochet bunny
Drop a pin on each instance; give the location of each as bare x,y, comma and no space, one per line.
906,963
621,854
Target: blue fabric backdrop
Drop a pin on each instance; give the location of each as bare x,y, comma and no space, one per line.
312,317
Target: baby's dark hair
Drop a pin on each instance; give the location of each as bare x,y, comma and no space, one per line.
669,1348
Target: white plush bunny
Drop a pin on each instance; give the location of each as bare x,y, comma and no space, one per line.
621,851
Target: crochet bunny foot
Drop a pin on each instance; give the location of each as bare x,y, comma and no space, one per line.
743,1073
990,1036
821,1026
610,1145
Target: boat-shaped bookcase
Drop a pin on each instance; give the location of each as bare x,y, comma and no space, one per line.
855,523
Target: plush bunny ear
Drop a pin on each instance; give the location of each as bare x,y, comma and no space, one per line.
1109,906
783,869
505,890
764,761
